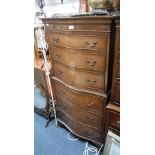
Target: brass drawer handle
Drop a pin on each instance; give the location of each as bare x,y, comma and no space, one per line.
91,44
91,81
58,56
91,63
56,40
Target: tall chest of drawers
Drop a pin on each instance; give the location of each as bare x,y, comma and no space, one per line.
80,55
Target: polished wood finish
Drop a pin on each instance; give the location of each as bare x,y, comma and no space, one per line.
79,128
64,26
80,115
84,59
115,93
78,41
81,100
80,51
83,79
112,118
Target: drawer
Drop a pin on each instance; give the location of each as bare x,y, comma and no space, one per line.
90,42
78,58
83,116
114,120
81,100
77,27
79,128
91,80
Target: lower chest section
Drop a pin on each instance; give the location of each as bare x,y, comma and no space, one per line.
81,112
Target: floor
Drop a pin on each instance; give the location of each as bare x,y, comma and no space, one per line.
53,140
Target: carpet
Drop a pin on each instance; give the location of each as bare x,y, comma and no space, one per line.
53,140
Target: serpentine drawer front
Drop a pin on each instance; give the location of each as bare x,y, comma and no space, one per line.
80,115
86,60
81,55
79,41
81,100
80,129
79,78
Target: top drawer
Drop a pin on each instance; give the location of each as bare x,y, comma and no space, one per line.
90,42
78,27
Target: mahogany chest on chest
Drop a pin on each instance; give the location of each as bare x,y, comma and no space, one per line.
80,50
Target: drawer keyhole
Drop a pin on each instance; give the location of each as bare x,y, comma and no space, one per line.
56,40
57,56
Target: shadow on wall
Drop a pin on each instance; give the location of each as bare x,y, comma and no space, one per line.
55,7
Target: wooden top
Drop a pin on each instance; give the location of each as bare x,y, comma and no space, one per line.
72,17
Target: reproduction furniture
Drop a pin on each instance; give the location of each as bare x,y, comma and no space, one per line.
113,108
81,51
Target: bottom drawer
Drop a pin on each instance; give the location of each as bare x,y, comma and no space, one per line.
80,129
